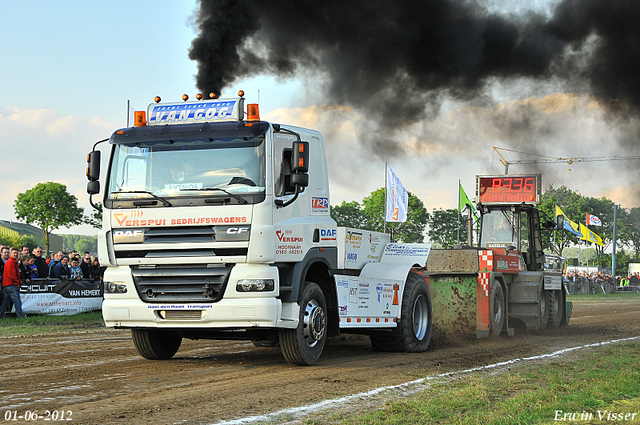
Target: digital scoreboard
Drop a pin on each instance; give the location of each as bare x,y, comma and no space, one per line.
509,189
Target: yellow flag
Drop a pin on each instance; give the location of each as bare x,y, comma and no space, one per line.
590,235
566,223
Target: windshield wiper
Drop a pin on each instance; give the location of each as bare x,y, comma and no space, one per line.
242,201
164,201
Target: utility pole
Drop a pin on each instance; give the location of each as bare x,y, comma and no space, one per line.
615,237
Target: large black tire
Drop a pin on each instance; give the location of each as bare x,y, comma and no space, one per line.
545,303
156,344
556,309
303,345
497,309
415,320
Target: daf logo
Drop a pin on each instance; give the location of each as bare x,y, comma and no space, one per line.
237,230
128,236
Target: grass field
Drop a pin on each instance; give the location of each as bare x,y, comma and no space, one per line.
604,297
596,386
40,324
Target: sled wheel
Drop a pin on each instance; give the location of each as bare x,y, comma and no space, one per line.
497,309
156,344
303,345
556,309
545,303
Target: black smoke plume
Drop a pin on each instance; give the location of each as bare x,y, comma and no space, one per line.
397,60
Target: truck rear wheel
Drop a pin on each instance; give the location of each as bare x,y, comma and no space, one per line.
303,345
156,344
556,309
497,309
416,320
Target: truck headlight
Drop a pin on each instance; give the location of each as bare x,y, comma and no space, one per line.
115,287
254,285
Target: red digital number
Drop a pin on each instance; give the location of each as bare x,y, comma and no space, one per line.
529,184
517,184
507,185
496,185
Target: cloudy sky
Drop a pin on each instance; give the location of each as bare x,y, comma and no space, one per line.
70,67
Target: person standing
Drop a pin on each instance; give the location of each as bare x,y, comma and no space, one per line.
61,270
4,256
86,266
11,284
57,258
76,271
40,263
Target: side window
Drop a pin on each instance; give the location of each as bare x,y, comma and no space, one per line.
524,232
283,176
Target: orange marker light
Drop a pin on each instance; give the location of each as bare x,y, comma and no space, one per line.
241,93
212,95
253,112
157,99
140,119
199,96
185,97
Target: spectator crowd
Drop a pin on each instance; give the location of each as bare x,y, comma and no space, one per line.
19,266
590,283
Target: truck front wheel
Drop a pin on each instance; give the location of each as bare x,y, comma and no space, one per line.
303,345
156,344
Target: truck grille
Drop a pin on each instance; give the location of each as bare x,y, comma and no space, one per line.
181,284
164,242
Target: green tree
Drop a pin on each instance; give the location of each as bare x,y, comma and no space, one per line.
629,228
572,204
87,244
95,218
50,206
410,231
349,214
603,209
444,226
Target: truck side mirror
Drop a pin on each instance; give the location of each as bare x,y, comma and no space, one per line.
93,187
299,168
300,157
93,166
300,180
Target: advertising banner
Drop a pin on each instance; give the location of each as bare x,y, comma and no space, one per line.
61,297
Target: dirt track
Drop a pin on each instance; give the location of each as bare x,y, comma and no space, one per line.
100,378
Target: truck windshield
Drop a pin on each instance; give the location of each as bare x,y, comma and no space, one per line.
499,230
175,170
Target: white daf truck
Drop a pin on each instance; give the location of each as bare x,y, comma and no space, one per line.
216,225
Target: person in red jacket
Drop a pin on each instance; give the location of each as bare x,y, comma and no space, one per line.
11,284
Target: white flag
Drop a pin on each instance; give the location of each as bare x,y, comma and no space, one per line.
593,220
397,199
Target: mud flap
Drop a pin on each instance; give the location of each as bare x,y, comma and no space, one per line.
453,302
482,305
567,312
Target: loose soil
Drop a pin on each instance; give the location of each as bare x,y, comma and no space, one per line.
99,376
